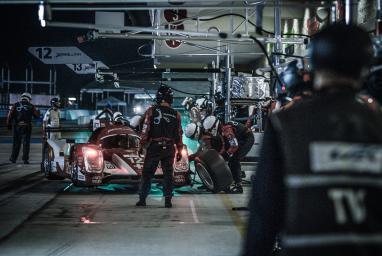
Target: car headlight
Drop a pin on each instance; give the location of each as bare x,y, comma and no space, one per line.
93,159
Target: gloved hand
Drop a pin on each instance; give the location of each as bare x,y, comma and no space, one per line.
227,155
141,151
178,156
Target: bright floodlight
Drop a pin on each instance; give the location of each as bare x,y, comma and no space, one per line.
41,11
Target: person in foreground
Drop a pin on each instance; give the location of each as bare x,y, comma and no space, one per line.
319,180
161,132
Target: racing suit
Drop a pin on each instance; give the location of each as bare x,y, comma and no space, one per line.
238,141
161,131
20,117
319,179
52,119
208,141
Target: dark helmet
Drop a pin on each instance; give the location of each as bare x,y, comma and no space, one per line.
219,99
374,85
55,102
164,94
293,80
342,49
374,82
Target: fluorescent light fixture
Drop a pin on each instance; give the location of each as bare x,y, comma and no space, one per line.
142,96
44,13
72,98
41,10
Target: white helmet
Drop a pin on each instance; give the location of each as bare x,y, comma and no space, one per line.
211,124
192,131
201,103
26,96
135,121
117,116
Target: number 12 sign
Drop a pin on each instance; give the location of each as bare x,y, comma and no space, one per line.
60,55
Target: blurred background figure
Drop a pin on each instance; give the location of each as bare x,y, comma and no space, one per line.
20,119
52,118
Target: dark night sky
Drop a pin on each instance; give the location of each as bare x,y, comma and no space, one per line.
21,29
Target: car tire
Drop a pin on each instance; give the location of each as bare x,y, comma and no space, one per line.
213,171
46,165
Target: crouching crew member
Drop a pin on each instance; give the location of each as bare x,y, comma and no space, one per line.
20,117
206,140
52,118
238,140
161,131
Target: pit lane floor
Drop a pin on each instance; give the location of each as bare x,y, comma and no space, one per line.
41,217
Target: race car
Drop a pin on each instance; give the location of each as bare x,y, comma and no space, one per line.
110,156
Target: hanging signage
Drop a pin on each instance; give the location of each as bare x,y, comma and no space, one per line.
173,16
87,68
60,55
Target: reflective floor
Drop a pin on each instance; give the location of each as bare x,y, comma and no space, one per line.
41,217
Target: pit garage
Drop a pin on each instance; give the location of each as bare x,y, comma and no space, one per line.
78,78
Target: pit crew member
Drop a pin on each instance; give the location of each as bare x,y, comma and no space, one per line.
52,118
319,176
20,118
161,132
238,141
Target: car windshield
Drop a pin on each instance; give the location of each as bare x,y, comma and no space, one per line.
124,141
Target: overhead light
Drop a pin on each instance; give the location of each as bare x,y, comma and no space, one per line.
137,109
72,98
44,13
156,63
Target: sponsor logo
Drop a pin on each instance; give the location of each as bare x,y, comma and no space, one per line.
350,157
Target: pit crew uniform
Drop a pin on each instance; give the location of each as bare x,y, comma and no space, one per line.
319,180
208,141
161,130
52,119
239,141
20,117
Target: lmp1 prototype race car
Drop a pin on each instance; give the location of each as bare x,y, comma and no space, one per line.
110,156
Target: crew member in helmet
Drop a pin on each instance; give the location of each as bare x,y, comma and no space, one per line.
20,118
318,181
206,140
52,119
161,133
119,119
238,140
297,83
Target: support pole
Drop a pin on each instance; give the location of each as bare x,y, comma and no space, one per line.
26,79
227,116
9,79
378,27
54,82
2,78
333,14
277,25
50,81
348,12
32,80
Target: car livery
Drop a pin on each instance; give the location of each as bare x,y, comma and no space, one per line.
110,156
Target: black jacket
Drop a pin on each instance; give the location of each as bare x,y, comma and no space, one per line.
319,180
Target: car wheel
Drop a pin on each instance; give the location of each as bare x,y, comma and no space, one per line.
213,171
46,165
